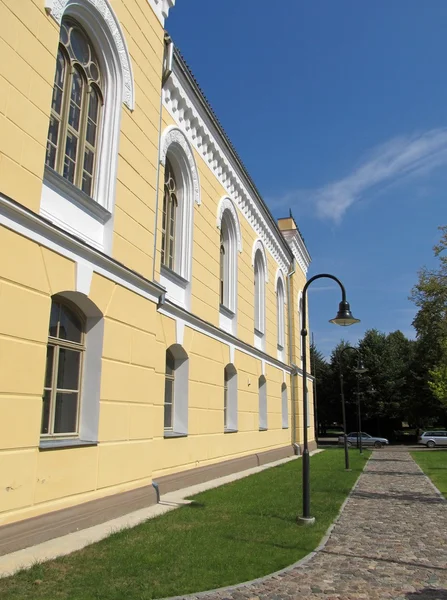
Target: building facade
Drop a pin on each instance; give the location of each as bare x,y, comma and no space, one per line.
149,323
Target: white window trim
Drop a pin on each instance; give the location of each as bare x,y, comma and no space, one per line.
262,385
181,389
61,203
284,407
91,371
231,425
259,263
175,146
280,313
300,324
228,223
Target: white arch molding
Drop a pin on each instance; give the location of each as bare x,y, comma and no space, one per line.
225,203
171,138
259,245
57,8
280,275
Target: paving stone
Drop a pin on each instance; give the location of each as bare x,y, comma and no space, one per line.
390,542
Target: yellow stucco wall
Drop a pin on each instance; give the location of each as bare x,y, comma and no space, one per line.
131,449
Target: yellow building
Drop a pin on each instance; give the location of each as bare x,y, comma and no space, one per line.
149,323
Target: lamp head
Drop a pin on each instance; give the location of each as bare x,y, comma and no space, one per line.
344,316
360,368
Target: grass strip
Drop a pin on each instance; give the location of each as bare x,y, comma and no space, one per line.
228,535
434,464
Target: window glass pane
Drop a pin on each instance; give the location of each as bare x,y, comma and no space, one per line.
89,158
87,184
168,416
170,363
54,318
91,133
93,106
79,46
75,100
45,425
49,367
53,133
68,369
66,412
71,325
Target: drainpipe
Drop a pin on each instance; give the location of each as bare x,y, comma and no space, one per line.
289,326
166,73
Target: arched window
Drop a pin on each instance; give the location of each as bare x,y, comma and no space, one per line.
222,269
176,392
284,407
75,121
259,283
280,321
230,398
63,373
170,205
262,403
169,391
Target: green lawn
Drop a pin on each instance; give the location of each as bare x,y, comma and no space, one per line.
230,534
434,464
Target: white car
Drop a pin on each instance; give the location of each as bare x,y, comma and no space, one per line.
433,438
367,440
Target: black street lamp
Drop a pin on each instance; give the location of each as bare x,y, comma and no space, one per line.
360,369
344,318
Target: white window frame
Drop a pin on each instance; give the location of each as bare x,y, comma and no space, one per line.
262,385
91,373
259,263
280,314
176,148
230,374
91,219
181,393
229,226
284,407
300,324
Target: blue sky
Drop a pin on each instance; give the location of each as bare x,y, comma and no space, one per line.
338,110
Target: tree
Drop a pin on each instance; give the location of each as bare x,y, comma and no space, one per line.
429,370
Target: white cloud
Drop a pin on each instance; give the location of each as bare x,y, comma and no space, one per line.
395,161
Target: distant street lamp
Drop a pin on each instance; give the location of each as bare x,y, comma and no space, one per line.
344,318
360,369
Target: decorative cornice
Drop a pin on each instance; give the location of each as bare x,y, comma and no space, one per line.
227,204
298,248
57,8
161,8
172,136
258,245
187,110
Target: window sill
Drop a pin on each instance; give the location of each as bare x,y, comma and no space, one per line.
230,430
63,444
174,434
76,195
226,311
173,276
263,429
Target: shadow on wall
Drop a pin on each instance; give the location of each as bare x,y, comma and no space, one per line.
427,594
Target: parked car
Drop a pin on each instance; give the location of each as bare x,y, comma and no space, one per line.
367,440
433,438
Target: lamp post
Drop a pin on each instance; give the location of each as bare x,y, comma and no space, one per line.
360,369
344,318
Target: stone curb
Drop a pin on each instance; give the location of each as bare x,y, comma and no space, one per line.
276,574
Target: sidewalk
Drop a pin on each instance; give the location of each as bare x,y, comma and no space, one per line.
390,542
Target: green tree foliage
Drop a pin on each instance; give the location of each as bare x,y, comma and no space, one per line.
429,369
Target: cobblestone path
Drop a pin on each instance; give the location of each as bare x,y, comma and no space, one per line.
390,542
